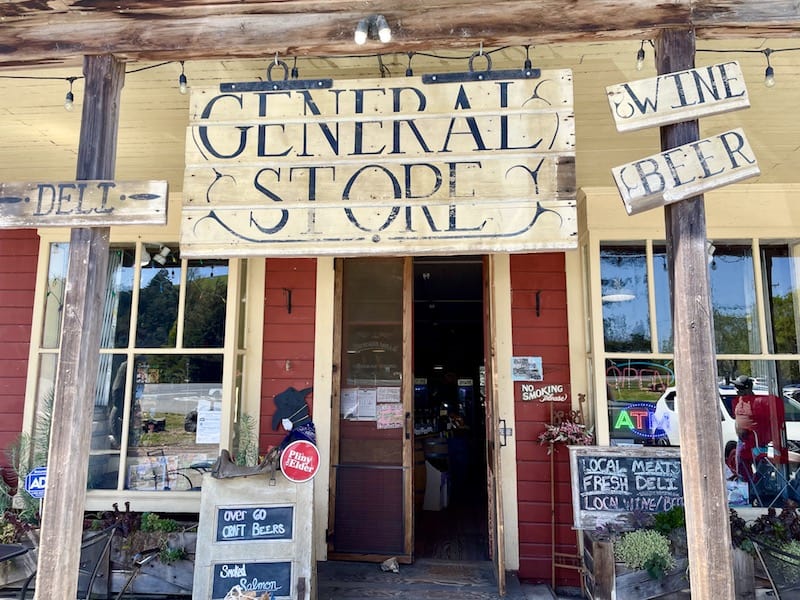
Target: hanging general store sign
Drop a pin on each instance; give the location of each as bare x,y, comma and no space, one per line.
84,203
410,165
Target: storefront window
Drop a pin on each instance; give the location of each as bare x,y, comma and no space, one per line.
640,383
158,403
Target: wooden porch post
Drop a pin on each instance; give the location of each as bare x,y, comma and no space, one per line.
73,404
707,525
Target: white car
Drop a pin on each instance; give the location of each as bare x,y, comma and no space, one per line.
665,416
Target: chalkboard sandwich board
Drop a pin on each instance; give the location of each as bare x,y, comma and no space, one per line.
609,483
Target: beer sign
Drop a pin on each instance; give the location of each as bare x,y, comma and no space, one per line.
685,171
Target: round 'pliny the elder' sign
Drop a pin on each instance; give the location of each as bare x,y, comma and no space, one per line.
300,461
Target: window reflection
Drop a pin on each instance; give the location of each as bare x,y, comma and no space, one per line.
626,313
171,429
206,291
780,284
159,293
54,298
663,299
733,300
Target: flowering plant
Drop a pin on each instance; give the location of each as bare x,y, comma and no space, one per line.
567,432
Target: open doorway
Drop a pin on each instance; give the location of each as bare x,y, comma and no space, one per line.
450,491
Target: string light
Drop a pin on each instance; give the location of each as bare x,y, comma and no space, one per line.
69,99
182,82
769,73
640,54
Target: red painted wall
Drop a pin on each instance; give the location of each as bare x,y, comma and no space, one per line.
288,353
544,334
19,250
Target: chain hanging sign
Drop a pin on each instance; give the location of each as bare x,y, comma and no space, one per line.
418,165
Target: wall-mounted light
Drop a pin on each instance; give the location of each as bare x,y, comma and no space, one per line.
375,26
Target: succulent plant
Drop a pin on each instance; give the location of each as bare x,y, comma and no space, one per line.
645,549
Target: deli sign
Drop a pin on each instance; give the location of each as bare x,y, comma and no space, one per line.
381,166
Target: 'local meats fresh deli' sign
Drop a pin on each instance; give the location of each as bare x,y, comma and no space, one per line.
385,166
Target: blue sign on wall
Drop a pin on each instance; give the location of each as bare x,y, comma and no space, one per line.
36,481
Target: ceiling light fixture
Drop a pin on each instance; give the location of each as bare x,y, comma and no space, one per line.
375,26
161,257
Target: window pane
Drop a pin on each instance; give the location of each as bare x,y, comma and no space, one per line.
663,307
372,328
780,285
159,293
117,304
733,300
54,300
206,294
633,387
174,421
626,313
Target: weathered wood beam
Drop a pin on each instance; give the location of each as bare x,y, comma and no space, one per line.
707,527
73,403
173,30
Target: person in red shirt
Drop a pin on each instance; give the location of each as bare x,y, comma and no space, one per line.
759,420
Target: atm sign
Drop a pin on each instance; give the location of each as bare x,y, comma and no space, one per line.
637,419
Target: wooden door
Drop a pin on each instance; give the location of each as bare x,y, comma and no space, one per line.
494,490
370,513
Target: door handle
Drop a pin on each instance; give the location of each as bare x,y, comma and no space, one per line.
505,433
408,430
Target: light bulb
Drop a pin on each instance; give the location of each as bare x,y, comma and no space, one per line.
384,31
182,83
68,101
640,59
360,36
769,77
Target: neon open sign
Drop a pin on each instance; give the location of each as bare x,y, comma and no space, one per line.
641,420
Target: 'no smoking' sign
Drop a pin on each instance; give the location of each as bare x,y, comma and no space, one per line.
300,461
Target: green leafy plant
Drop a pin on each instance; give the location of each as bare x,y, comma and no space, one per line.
151,522
169,555
246,441
645,549
669,521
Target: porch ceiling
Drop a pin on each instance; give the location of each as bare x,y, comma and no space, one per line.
597,39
